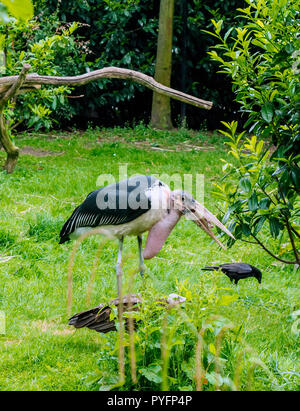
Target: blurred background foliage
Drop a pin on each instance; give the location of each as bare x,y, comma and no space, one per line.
68,38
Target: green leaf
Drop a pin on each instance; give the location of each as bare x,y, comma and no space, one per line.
246,229
20,9
267,112
227,299
212,349
152,373
264,203
252,202
237,231
54,103
245,184
295,174
259,147
289,48
274,227
232,208
259,223
214,378
228,33
218,25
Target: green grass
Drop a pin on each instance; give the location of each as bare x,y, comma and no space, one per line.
39,351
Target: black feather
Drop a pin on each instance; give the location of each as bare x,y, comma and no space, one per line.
110,205
100,319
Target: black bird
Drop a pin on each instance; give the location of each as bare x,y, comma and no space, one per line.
237,271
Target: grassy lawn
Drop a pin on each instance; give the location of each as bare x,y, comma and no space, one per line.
39,351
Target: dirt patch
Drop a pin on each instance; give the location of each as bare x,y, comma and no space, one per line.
39,153
148,145
63,332
52,327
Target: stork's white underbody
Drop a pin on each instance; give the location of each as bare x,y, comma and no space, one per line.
136,227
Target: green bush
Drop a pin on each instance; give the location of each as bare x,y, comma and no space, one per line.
187,347
263,206
124,34
262,58
51,49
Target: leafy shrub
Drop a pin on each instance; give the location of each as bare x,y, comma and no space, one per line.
264,201
262,60
187,347
263,64
49,53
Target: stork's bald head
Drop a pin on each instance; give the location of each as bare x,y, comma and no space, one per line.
183,201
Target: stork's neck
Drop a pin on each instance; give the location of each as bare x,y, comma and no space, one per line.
171,219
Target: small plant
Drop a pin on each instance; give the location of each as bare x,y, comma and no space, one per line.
186,347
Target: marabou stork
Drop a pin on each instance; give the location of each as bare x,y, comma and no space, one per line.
134,206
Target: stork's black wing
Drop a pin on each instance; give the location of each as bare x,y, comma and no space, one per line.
115,204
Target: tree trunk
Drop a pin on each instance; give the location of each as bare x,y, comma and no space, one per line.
161,107
184,16
12,151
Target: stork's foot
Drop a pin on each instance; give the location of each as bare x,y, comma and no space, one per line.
142,270
141,259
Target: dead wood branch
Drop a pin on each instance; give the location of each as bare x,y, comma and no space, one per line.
11,86
107,72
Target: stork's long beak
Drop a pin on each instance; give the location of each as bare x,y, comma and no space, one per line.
206,220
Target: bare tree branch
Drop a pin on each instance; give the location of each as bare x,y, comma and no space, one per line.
10,86
107,72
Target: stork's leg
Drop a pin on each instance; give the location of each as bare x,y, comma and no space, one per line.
141,258
119,267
